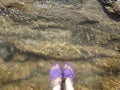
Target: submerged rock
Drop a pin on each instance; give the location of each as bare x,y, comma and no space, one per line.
17,12
80,33
112,6
63,51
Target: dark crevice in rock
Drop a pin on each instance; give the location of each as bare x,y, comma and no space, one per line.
114,40
113,44
47,27
88,22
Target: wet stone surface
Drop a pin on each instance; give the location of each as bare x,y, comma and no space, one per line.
37,34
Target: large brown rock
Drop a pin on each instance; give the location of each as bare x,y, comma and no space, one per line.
46,32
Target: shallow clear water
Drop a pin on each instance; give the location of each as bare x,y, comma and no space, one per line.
35,35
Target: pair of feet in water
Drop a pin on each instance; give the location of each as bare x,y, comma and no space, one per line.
58,74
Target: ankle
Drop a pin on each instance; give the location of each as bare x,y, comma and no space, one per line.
69,84
68,81
56,82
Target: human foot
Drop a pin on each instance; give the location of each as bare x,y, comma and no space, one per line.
69,72
56,75
69,76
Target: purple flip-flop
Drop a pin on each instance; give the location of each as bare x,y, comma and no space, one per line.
69,72
55,72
